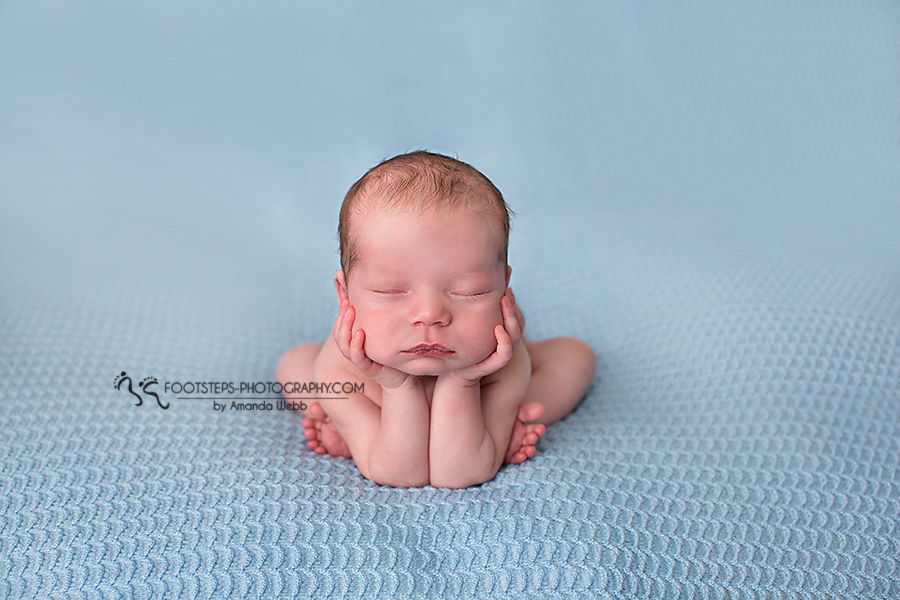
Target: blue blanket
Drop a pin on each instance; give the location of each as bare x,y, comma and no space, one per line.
707,193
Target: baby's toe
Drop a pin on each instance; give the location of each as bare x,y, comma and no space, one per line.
530,412
316,412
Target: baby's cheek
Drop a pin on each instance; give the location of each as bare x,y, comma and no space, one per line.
495,316
367,319
377,338
489,320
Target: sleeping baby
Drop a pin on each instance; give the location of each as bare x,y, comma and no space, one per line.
427,323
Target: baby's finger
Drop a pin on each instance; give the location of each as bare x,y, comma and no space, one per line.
494,362
357,352
337,320
345,331
518,311
519,317
511,322
504,344
510,318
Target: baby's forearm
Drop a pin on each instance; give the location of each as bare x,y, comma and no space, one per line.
462,451
399,453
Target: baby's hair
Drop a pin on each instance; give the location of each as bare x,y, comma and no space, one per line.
421,180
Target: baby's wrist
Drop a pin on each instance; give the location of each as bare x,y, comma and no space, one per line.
454,377
410,382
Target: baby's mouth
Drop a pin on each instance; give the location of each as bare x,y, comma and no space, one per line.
429,350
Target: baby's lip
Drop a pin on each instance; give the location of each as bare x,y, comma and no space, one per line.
429,350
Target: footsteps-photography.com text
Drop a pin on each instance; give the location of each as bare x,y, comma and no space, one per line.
225,396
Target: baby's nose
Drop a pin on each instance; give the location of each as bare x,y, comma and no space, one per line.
431,312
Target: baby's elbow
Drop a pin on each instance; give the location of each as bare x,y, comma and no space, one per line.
394,478
401,482
458,481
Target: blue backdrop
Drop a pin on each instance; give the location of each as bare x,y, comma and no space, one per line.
706,192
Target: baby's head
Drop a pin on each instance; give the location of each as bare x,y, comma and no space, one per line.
423,254
420,181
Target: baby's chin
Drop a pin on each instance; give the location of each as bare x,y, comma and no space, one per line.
433,367
428,367
428,371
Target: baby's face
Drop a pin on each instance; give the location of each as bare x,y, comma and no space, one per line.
426,288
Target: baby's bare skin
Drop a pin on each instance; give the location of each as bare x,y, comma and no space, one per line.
562,371
324,363
429,327
323,437
448,385
500,381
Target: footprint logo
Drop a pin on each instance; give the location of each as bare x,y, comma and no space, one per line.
145,384
122,378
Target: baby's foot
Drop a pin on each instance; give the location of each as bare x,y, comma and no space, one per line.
321,434
524,437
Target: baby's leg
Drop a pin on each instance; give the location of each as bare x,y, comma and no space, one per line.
562,370
322,436
296,366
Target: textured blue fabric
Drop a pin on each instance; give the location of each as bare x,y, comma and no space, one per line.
706,192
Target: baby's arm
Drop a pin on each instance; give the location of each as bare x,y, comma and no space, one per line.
473,409
389,444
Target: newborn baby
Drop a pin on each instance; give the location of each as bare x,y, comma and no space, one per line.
427,323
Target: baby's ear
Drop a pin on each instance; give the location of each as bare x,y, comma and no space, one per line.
340,285
508,273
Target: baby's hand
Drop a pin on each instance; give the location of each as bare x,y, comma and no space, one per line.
508,337
352,346
520,318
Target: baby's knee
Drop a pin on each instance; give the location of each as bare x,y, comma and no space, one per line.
579,356
297,363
